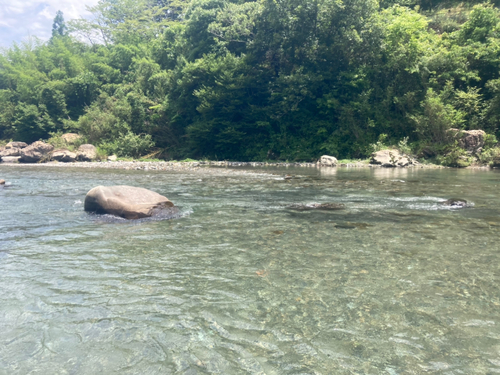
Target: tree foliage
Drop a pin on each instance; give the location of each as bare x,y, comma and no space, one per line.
250,80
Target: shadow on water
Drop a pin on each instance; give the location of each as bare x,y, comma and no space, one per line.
170,213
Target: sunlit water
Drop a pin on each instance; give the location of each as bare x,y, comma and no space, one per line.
394,284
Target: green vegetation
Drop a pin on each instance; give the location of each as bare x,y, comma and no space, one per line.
261,80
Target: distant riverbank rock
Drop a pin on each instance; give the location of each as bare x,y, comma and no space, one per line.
328,161
471,141
86,152
126,201
112,158
456,203
63,155
10,159
317,206
391,158
13,149
71,138
16,145
35,152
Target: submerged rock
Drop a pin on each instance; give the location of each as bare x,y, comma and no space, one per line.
35,152
86,152
328,161
391,158
126,201
456,203
317,206
63,155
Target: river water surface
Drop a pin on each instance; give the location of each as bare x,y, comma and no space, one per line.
395,283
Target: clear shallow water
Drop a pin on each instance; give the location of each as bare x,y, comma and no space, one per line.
393,284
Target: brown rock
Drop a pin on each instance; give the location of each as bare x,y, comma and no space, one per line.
10,159
63,155
470,140
70,138
12,151
391,158
328,161
86,152
125,201
2,182
16,145
35,152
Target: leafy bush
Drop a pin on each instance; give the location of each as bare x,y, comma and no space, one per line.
436,118
403,146
380,145
456,157
129,144
489,155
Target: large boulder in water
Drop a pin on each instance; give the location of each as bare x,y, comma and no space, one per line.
125,201
86,152
35,152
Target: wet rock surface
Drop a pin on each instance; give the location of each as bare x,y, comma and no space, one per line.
2,182
126,201
456,203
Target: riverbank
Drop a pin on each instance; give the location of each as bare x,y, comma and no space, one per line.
197,165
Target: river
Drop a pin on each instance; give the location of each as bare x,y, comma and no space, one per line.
395,283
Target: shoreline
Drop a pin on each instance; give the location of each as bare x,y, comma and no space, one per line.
198,165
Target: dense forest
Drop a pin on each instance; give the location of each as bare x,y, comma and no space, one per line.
260,80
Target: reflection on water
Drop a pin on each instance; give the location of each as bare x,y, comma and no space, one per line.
395,283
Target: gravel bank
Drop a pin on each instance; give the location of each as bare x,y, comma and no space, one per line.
201,165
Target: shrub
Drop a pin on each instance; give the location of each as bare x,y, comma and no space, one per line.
129,144
456,157
489,155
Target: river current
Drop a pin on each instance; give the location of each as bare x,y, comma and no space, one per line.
395,283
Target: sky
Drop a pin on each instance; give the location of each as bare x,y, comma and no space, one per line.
20,19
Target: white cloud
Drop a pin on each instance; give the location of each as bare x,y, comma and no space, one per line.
20,19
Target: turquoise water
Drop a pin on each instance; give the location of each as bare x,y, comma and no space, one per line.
395,283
